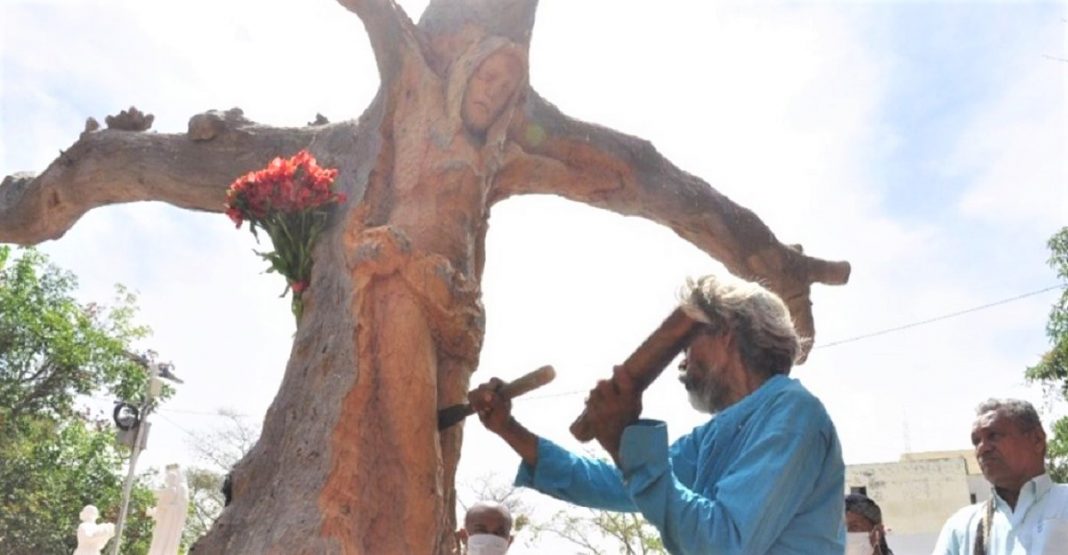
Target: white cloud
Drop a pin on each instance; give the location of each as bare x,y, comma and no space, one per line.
1017,150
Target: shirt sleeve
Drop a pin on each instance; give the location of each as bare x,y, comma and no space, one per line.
753,501
579,480
951,539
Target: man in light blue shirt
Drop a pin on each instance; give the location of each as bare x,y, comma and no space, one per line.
765,475
1027,513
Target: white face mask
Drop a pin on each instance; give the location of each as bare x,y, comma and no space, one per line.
486,544
857,543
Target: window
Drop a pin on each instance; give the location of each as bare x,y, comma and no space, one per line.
863,490
973,498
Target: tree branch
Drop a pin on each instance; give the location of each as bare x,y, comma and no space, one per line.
190,170
390,30
607,169
513,19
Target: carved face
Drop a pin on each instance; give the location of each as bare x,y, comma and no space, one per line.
493,83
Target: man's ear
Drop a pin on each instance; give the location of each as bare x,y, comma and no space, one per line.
461,535
1040,439
511,538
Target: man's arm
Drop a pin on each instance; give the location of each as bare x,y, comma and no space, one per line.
952,540
546,466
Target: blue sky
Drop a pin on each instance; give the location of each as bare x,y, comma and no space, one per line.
923,141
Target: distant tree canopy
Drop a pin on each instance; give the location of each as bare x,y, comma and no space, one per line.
54,458
1052,369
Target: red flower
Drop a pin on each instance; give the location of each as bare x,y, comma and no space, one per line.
289,199
235,216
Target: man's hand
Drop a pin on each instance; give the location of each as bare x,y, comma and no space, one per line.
612,406
495,412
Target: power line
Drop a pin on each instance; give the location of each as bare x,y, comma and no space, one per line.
176,425
203,412
821,346
879,332
937,318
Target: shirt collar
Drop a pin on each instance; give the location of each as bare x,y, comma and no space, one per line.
1031,491
744,407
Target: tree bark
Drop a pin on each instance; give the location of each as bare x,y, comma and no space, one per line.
350,459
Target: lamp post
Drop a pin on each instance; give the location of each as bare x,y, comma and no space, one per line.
133,424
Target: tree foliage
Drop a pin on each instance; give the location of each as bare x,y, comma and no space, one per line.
1052,369
55,459
598,532
218,451
594,532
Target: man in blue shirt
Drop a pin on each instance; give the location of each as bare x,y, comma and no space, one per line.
765,475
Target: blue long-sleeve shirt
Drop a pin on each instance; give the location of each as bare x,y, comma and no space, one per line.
764,476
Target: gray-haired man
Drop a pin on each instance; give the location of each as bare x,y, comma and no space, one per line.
1027,513
764,476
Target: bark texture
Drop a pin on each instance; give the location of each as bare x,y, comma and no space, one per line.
350,460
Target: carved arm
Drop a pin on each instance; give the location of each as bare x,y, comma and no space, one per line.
555,154
111,166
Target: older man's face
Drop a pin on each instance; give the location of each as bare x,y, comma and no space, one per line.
1008,456
487,520
702,372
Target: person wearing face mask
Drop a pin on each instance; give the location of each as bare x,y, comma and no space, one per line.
1027,513
487,529
764,476
865,534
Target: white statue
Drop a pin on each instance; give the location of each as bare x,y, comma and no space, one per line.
172,506
92,537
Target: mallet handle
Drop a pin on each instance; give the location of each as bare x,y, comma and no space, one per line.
649,359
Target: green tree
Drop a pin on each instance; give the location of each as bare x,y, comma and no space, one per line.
54,458
1052,369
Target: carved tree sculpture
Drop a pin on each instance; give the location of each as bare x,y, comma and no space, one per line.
350,460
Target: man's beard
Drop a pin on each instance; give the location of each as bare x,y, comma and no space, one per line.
706,394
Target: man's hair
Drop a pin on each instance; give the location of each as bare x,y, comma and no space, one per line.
490,506
762,328
1021,412
864,506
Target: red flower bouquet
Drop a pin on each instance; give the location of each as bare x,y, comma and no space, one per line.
290,199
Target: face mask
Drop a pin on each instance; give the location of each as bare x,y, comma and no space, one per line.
857,543
486,544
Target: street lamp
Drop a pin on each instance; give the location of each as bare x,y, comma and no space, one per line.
133,425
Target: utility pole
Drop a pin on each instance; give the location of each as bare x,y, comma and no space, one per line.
152,390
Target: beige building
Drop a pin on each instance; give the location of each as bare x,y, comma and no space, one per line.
918,493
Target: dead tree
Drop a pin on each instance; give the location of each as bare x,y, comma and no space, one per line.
350,460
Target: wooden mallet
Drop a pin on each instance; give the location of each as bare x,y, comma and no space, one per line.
650,359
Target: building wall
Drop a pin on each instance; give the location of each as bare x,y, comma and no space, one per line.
916,496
